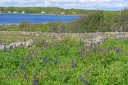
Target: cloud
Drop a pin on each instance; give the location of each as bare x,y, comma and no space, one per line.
79,4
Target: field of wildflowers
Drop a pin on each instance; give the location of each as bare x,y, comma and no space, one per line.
66,62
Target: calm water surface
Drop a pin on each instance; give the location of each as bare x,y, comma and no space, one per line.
19,18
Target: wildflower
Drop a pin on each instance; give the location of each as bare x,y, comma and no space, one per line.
13,76
55,62
44,59
73,65
23,67
35,82
81,78
85,82
4,48
118,51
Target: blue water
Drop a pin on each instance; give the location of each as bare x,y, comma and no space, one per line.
10,19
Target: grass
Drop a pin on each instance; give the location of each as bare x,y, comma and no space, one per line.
52,63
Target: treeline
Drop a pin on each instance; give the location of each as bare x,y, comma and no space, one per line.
47,10
97,21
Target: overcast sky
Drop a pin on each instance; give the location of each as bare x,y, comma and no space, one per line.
78,4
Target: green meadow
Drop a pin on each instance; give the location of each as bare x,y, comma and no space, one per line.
66,62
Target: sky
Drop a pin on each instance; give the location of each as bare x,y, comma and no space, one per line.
67,4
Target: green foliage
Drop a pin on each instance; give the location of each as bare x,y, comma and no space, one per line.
52,64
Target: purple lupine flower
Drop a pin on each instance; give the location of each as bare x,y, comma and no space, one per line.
81,78
5,49
73,64
45,47
13,76
91,44
35,81
117,50
23,67
85,82
44,59
55,62
94,45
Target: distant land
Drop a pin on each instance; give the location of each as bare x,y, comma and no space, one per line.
44,10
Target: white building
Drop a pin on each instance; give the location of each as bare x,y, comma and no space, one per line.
43,12
15,12
9,12
23,12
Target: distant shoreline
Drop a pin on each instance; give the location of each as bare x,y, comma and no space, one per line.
42,14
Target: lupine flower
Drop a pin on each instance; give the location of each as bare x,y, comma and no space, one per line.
73,65
91,44
85,82
81,78
55,62
44,59
117,50
5,49
35,82
23,67
94,45
13,76
45,47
